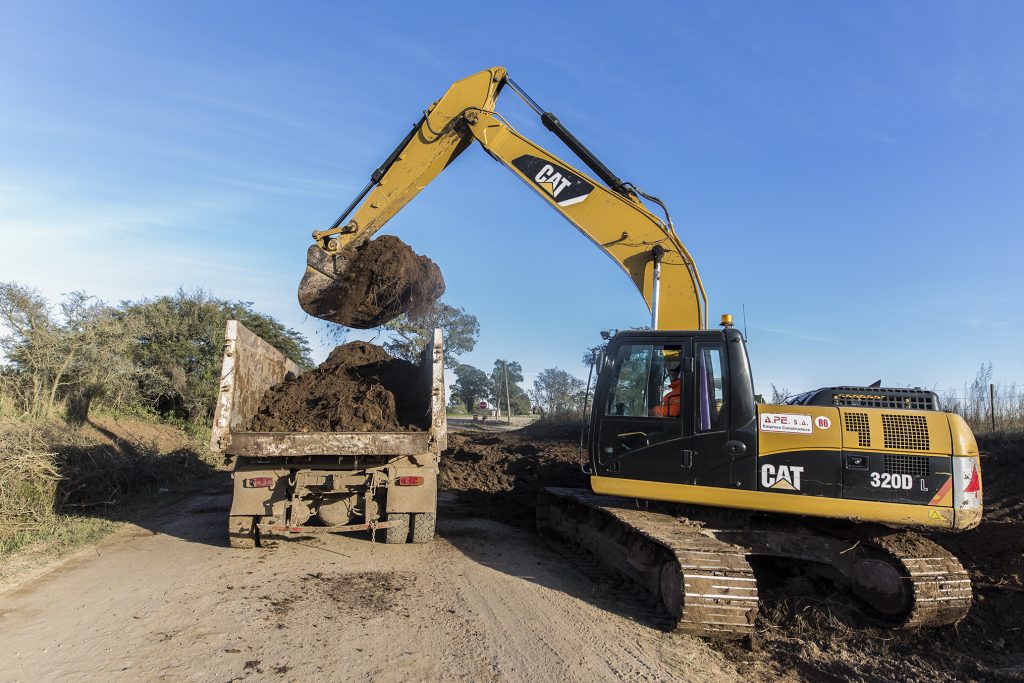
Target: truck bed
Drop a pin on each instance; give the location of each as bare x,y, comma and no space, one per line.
251,366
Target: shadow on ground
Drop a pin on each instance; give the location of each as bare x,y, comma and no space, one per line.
162,484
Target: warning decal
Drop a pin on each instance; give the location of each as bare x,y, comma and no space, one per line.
783,422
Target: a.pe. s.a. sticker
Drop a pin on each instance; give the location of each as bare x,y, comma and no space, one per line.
822,422
786,422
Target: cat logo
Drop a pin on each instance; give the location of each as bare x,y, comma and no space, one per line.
781,478
551,180
561,184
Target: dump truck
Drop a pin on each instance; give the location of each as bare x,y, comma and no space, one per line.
290,484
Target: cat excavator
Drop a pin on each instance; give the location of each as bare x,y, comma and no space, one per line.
693,483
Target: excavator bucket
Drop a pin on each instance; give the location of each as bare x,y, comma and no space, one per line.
368,285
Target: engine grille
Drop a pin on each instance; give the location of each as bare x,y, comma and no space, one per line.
858,422
914,465
869,397
905,432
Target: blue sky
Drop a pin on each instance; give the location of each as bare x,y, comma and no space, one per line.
851,173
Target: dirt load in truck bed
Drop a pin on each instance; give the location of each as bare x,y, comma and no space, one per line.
359,388
384,279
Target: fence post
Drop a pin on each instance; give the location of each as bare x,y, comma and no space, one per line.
992,404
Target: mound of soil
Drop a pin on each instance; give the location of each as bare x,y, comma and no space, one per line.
498,475
359,388
383,279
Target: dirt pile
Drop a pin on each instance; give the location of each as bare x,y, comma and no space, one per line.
359,388
499,474
382,279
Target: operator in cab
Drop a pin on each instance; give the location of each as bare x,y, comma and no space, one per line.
671,401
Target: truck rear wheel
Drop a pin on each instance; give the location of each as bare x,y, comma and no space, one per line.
423,525
399,531
242,531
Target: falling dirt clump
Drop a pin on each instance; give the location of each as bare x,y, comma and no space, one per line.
359,388
383,279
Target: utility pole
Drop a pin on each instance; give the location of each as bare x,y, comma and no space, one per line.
508,401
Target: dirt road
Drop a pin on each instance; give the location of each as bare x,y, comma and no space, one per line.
484,602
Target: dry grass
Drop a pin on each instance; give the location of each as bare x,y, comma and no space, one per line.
62,486
28,477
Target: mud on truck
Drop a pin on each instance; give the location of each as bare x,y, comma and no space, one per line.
291,484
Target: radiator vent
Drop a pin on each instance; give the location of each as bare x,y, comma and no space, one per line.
858,422
905,432
914,465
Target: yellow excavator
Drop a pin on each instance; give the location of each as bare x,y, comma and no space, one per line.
692,480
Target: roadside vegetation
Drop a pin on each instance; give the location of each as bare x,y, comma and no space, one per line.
100,404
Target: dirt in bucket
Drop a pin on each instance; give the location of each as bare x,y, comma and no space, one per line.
379,281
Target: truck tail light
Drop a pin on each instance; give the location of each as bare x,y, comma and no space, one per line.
410,481
259,483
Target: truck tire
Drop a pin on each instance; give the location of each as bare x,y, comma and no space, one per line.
399,533
242,531
423,525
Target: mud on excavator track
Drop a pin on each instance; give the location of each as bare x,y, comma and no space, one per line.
697,567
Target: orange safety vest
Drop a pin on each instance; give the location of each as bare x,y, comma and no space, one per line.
670,403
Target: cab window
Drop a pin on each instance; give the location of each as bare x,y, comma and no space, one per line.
647,382
710,385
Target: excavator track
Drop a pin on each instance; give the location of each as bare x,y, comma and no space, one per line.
695,561
940,585
705,586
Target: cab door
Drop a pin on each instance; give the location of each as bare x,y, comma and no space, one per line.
644,423
712,449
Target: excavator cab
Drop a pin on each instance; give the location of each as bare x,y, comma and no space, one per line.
675,407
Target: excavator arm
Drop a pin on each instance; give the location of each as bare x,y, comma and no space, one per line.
611,215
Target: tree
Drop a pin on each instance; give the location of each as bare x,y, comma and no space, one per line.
779,395
411,333
163,352
558,393
516,394
102,367
74,356
592,355
36,345
471,384
179,348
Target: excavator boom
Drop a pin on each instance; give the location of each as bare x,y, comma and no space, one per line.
611,215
